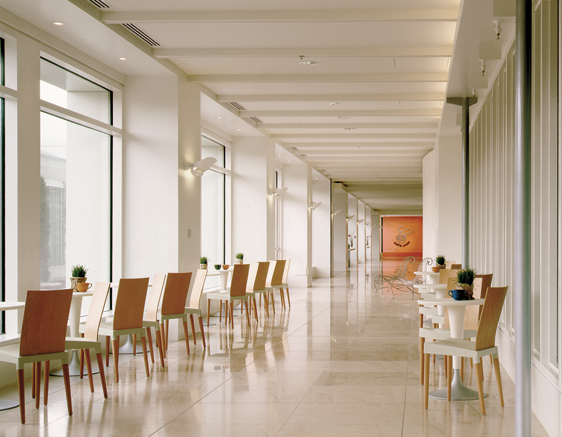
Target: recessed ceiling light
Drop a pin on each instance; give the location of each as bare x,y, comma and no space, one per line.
307,62
288,160
350,128
334,103
279,154
219,118
344,117
58,23
315,179
122,59
238,129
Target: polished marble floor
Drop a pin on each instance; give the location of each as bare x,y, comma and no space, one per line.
343,361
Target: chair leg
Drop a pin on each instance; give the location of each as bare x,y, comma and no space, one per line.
115,346
272,298
202,331
67,388
193,329
208,311
102,374
247,313
21,390
266,303
46,383
134,345
107,351
422,341
498,379
426,380
462,369
150,345
81,363
445,365
449,376
260,299
186,336
471,363
37,384
480,389
89,366
167,331
160,348
220,311
226,313
288,298
255,309
162,339
33,380
143,340
232,314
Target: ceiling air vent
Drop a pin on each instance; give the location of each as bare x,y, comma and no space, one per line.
256,120
100,4
140,34
237,106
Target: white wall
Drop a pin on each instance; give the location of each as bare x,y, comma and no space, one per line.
297,231
321,223
361,232
339,229
253,225
375,235
352,208
430,229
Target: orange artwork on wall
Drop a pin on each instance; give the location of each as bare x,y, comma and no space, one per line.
402,236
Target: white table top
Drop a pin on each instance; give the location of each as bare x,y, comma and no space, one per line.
5,306
452,302
90,292
214,272
434,286
427,273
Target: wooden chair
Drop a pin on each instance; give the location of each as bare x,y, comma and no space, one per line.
43,333
89,339
256,285
452,265
285,282
274,281
150,319
194,305
173,304
127,319
237,291
484,345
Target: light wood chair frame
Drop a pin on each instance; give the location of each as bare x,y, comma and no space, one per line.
194,305
237,291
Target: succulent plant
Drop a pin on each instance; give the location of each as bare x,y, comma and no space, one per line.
79,271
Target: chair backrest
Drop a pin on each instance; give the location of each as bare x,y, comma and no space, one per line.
445,274
277,278
270,271
239,279
455,266
472,311
286,271
252,273
97,305
451,282
448,264
257,276
486,283
197,289
155,296
175,293
45,319
129,305
486,334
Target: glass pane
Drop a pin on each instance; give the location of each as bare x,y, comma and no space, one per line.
75,205
68,90
212,209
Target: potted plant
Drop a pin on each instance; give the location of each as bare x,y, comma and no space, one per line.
239,258
439,263
465,280
78,274
203,263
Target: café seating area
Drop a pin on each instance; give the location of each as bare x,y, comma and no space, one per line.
342,359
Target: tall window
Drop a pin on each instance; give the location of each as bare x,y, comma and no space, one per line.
213,204
75,177
2,187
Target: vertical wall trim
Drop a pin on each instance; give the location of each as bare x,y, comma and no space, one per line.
465,181
522,216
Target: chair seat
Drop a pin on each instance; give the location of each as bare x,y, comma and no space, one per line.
11,354
428,311
196,311
81,343
443,334
107,329
224,296
460,348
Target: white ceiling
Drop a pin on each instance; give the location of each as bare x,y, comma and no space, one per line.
386,62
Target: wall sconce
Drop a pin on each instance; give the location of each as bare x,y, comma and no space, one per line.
498,27
278,192
360,221
349,218
336,213
314,205
200,167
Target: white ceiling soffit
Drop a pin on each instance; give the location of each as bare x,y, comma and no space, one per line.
357,92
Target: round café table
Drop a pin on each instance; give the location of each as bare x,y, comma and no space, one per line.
6,306
456,310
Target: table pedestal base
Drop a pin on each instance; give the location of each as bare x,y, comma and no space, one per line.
459,391
74,366
8,405
127,348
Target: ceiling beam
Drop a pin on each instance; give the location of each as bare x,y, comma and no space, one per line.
410,97
344,113
327,52
366,136
283,16
316,78
341,125
361,146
